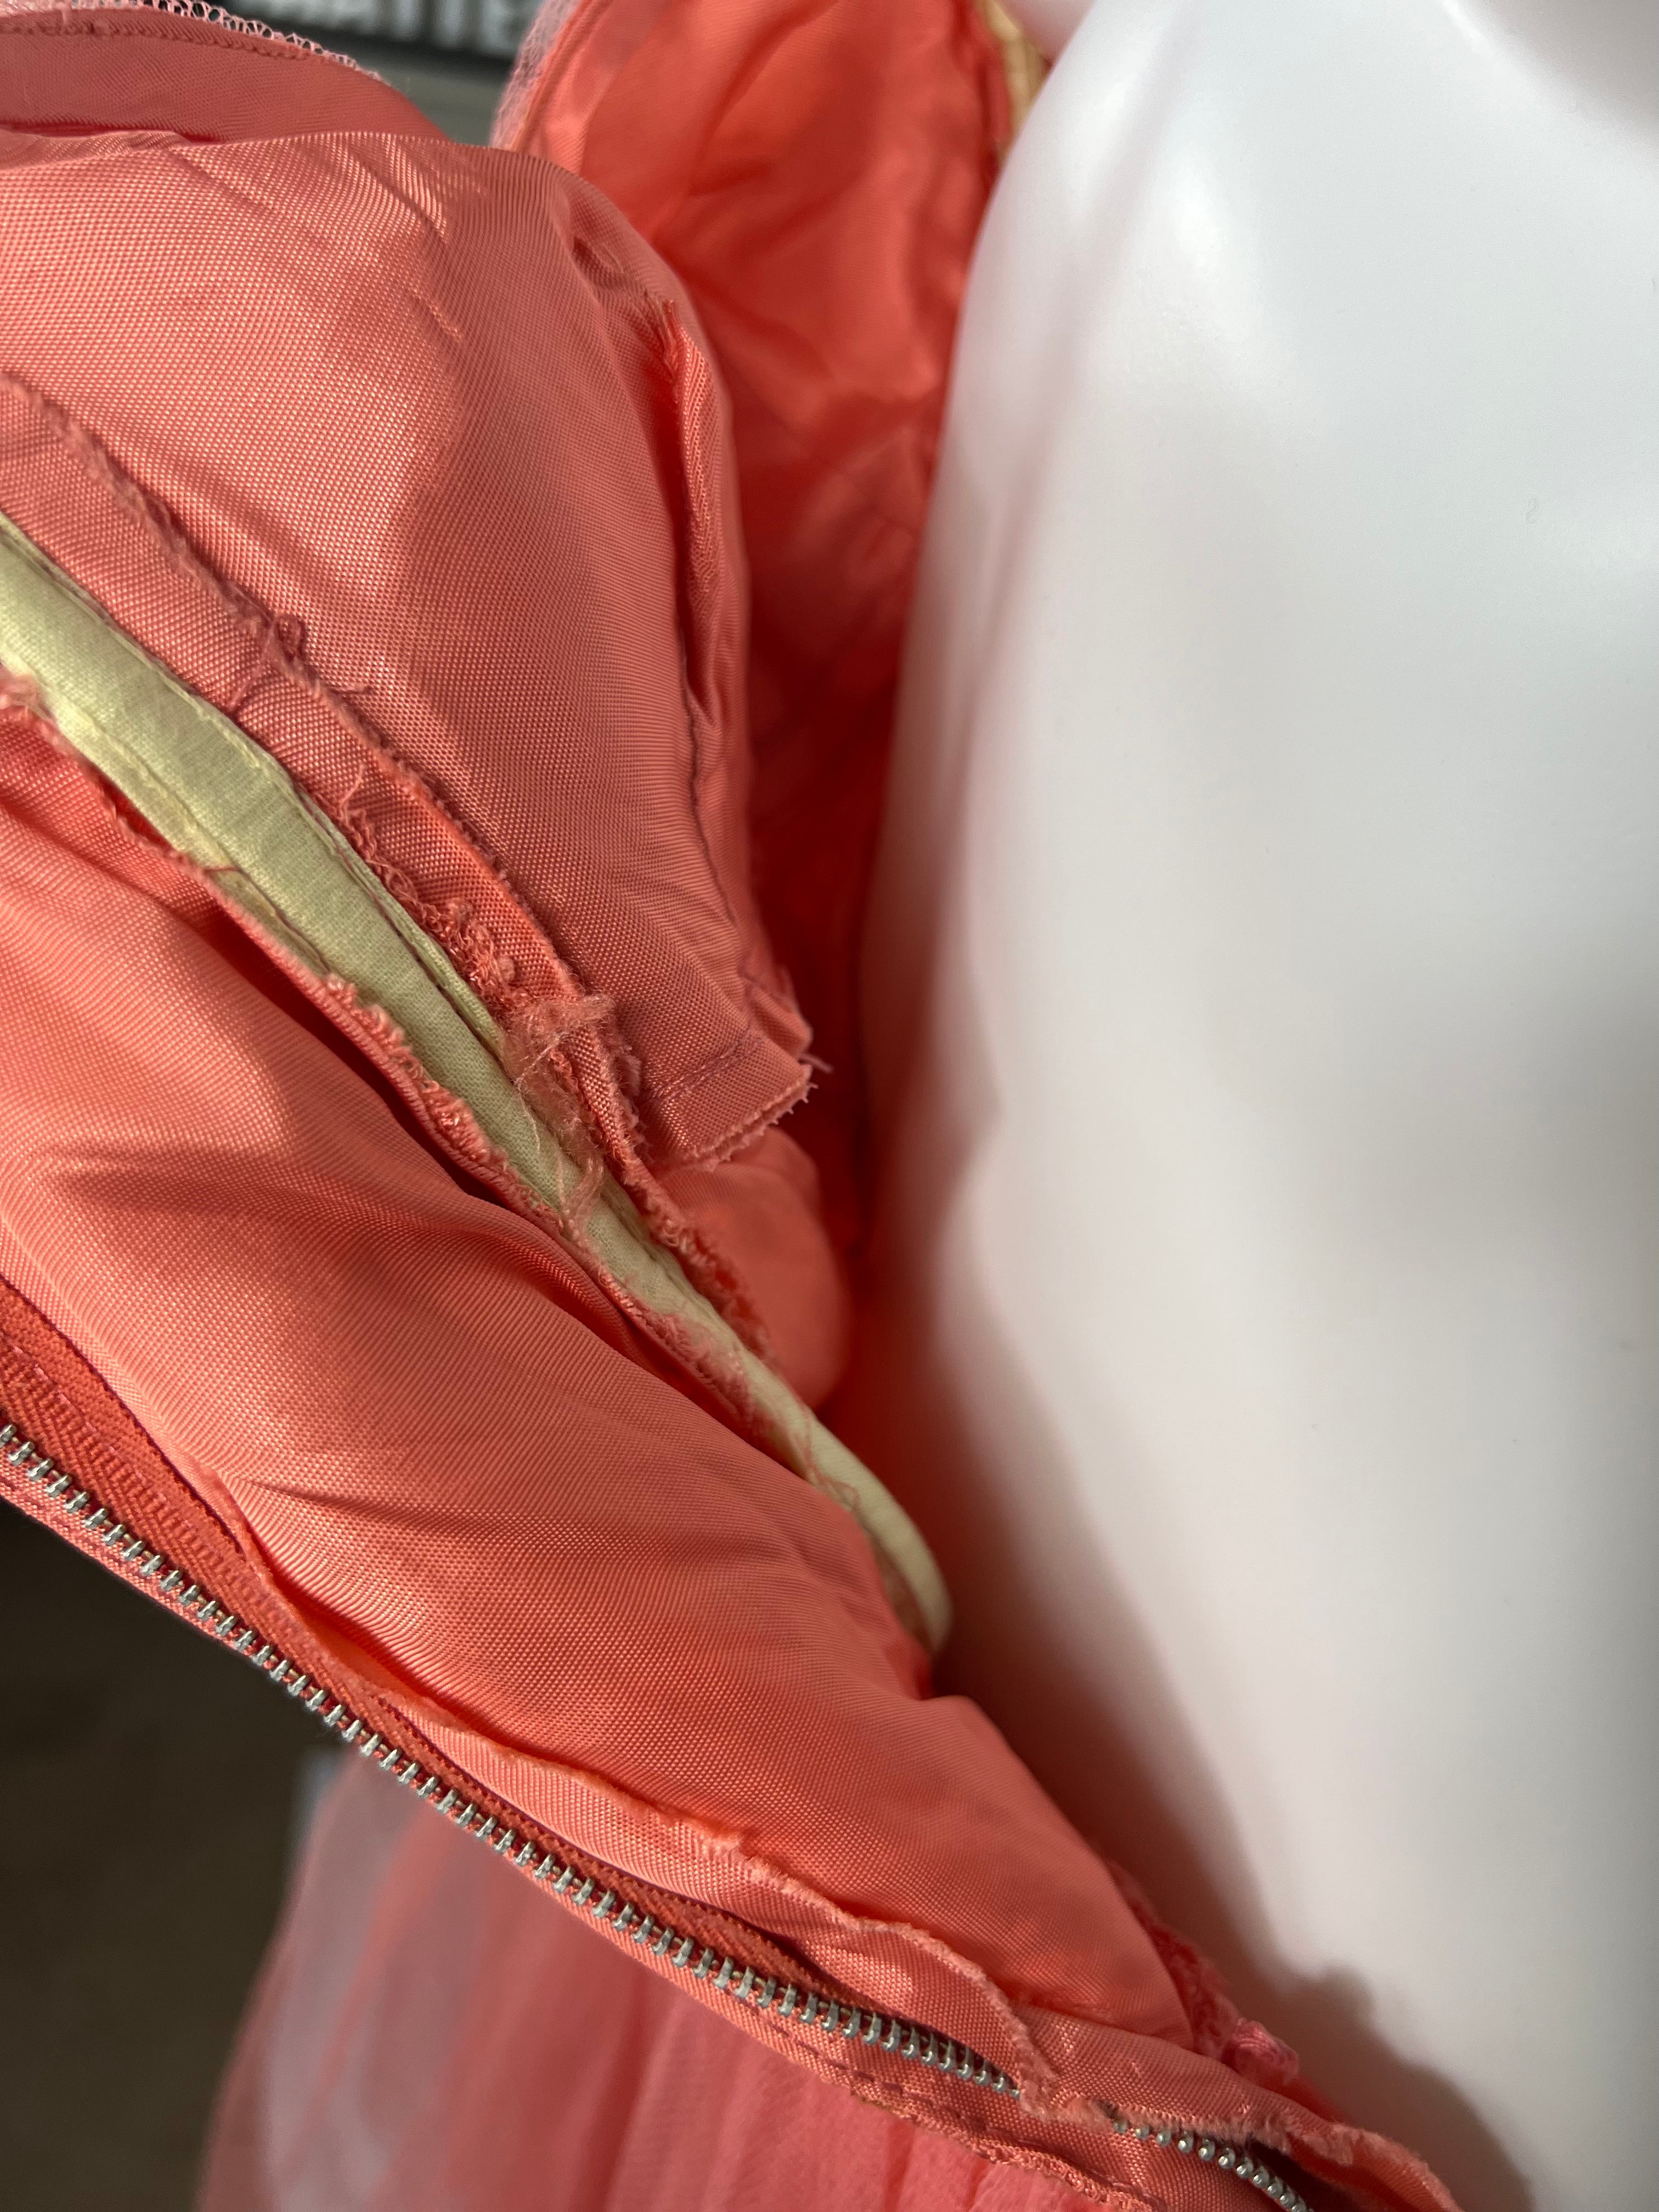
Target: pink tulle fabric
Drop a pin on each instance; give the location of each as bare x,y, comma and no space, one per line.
420,2004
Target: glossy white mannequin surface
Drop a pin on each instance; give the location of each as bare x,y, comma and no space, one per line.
1264,994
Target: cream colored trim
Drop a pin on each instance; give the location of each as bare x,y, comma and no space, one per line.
1023,68
216,797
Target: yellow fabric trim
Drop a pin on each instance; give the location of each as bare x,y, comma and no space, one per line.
1023,68
214,795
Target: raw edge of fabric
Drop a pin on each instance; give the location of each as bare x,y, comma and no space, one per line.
212,793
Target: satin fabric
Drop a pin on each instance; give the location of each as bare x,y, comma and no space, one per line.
413,461
312,420
816,177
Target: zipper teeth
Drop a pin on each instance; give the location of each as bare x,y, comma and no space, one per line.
1227,2158
804,2007
904,2038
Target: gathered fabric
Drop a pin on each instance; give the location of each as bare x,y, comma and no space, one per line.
412,1978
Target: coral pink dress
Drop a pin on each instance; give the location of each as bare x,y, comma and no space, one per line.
450,603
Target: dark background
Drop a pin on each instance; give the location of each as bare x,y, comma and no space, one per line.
150,1784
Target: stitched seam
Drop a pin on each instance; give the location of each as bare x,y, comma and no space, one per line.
75,1418
103,21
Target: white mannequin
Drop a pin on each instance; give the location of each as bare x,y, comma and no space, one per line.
1265,987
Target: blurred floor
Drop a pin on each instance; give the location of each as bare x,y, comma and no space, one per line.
147,1796
149,1787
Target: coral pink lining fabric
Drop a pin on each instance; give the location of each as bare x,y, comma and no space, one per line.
444,429
427,1424
815,176
354,395
326,443
106,70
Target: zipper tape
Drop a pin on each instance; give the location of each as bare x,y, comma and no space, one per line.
171,1586
802,2006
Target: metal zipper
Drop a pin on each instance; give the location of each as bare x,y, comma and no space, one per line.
1226,2158
804,2007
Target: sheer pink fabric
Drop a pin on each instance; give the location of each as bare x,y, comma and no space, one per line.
429,2037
